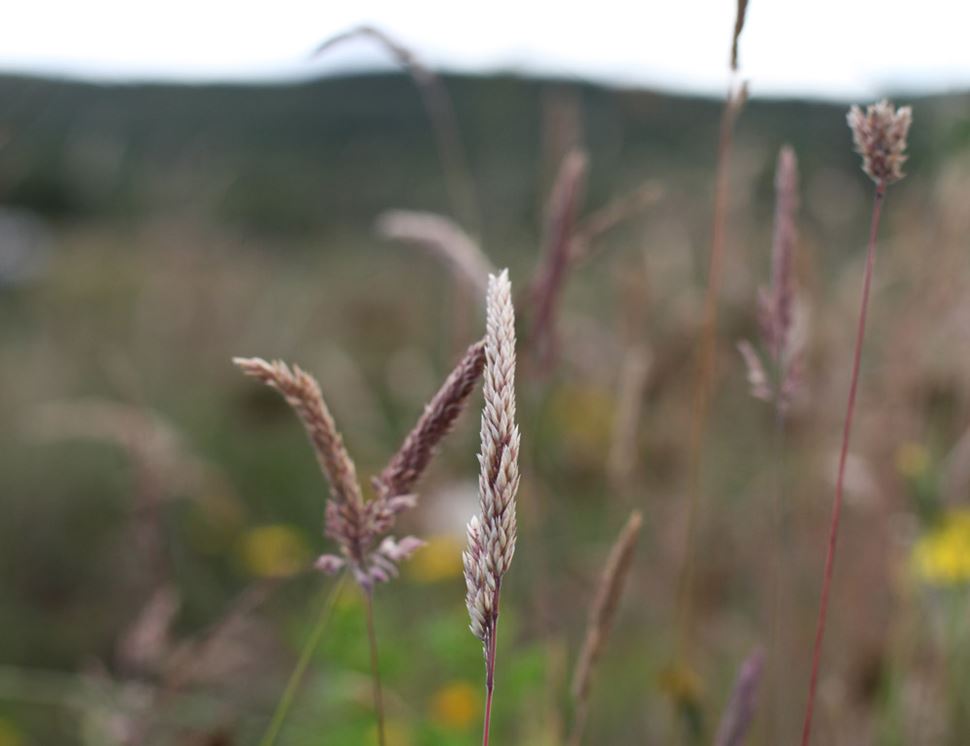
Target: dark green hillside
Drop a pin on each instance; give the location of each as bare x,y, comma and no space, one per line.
331,153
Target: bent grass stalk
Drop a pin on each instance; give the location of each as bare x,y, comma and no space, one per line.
441,237
880,137
601,616
441,114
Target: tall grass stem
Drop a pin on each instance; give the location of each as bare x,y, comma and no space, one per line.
780,580
706,356
843,455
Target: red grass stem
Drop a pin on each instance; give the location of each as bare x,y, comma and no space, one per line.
843,455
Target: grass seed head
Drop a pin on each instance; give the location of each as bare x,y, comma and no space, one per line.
414,455
492,534
880,138
355,525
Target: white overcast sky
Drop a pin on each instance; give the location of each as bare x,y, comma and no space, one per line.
828,48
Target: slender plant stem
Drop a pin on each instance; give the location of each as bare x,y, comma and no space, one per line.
780,579
579,723
454,160
490,668
705,363
296,678
843,455
375,669
459,183
489,692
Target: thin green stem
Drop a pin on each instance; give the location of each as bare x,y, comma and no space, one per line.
296,678
375,669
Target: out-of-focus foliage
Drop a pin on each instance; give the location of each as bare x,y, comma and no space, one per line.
169,228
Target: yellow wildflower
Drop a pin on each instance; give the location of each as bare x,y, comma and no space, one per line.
273,551
456,705
439,559
942,555
681,684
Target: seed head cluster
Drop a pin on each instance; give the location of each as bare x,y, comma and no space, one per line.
880,138
492,533
409,463
358,526
776,302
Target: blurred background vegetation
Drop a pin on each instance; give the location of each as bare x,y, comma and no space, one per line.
148,233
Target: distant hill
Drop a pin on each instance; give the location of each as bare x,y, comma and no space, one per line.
331,153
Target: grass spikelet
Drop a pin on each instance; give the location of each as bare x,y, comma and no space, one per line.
564,202
354,524
776,303
492,533
740,709
409,463
302,393
601,616
880,138
780,297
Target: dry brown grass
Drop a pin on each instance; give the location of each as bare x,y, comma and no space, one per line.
602,612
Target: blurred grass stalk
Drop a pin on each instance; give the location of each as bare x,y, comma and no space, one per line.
736,97
740,711
775,376
441,113
601,616
550,275
880,138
